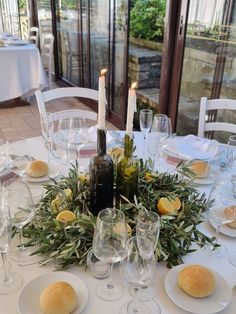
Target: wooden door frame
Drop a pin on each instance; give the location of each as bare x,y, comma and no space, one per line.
172,58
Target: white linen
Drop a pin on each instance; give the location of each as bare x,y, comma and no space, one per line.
192,147
96,305
21,71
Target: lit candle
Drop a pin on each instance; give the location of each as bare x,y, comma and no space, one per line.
102,101
131,109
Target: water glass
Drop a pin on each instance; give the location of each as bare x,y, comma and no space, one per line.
110,235
145,120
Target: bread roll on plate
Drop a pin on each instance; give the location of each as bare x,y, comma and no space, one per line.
58,298
37,169
197,281
199,168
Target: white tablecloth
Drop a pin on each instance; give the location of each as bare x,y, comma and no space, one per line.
21,71
8,303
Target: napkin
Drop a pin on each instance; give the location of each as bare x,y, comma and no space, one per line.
90,135
192,147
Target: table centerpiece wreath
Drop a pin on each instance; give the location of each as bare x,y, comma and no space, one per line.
62,229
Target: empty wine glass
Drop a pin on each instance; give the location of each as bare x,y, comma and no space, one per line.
222,210
137,269
160,130
19,155
109,240
145,120
148,225
69,129
17,195
9,282
3,152
47,126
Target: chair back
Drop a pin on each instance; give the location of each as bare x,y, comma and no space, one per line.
34,35
44,97
47,55
205,124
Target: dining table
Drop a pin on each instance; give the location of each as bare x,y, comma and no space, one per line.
95,305
21,67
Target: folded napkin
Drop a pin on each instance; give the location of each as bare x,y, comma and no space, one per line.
191,147
90,135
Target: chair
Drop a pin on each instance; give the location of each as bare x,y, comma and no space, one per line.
44,97
34,35
206,123
47,55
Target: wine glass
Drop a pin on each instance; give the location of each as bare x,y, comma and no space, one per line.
109,240
137,269
221,210
145,120
47,126
69,128
17,195
9,282
3,151
148,225
160,130
19,156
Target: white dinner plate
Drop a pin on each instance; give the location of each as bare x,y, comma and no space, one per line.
214,303
53,173
224,229
28,301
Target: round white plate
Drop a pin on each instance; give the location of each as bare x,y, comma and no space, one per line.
224,229
214,303
53,173
28,301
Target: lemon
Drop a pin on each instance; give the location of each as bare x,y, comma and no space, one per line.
164,206
83,178
148,176
120,228
66,216
176,203
67,193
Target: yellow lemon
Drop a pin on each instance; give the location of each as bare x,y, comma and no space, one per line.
120,228
176,203
148,176
59,204
83,178
67,193
164,206
66,216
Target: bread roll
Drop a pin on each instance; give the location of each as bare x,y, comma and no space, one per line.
58,298
197,281
37,169
200,168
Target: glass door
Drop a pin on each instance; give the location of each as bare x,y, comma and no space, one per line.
209,63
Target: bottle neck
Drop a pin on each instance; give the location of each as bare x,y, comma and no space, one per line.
128,146
101,142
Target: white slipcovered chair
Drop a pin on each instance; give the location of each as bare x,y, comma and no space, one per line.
206,123
34,35
47,55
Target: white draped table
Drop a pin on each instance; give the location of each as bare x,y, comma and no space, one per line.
8,303
21,71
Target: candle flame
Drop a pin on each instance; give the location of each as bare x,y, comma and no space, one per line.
133,86
103,71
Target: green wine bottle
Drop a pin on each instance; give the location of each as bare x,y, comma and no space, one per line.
101,177
127,174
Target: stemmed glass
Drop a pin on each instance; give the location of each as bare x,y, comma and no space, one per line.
148,225
9,282
222,210
145,121
109,240
47,126
17,195
69,129
3,152
138,268
19,155
160,130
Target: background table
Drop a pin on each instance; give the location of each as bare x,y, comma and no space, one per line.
8,303
21,71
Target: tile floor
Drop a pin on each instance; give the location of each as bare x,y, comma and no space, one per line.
18,118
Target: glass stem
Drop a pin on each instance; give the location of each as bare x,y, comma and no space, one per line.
133,304
22,245
5,270
217,232
109,282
